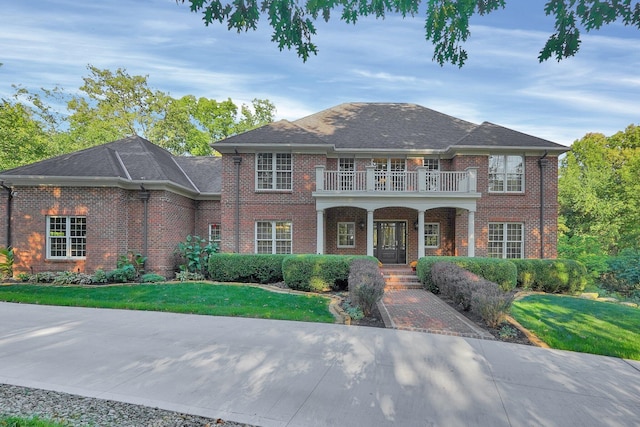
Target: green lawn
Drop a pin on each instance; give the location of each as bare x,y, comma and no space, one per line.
28,422
570,323
195,298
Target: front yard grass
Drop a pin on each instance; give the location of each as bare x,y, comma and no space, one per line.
570,323
193,298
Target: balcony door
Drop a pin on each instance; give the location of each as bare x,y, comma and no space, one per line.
390,242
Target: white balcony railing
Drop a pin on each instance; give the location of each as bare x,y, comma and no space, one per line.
420,181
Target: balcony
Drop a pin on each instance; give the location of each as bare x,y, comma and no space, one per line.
422,181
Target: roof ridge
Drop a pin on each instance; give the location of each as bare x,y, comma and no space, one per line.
173,158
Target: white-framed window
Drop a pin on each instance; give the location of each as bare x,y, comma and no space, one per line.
431,234
66,237
346,234
214,233
273,237
506,174
506,240
390,174
346,167
273,171
433,173
432,164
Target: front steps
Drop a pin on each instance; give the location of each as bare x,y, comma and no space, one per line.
398,277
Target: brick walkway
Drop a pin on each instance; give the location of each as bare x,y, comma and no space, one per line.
420,310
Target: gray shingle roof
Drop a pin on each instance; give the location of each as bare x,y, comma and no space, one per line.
130,159
391,126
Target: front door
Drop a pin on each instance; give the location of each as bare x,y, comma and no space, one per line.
389,239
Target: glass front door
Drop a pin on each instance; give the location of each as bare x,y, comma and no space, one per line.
389,239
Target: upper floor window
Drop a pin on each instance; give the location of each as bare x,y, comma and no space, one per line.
273,171
431,235
346,167
390,174
273,237
431,164
506,174
505,240
66,237
346,234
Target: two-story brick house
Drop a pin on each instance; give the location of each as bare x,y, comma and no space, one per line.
396,181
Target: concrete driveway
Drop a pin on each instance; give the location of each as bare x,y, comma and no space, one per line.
279,373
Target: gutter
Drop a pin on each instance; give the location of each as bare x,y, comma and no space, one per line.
10,194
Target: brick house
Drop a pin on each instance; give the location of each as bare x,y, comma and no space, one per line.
396,181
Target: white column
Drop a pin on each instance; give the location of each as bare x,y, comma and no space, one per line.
320,231
420,234
471,250
319,177
370,233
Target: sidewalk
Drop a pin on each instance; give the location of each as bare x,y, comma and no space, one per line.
422,311
279,373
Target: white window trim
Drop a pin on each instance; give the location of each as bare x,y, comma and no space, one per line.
353,227
504,242
438,236
274,240
504,186
67,237
211,226
274,172
431,158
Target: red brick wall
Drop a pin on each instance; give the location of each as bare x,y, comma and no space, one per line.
297,206
107,217
3,217
513,207
114,226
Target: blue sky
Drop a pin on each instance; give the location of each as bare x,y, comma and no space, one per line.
49,43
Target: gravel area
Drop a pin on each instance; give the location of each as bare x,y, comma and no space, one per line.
72,410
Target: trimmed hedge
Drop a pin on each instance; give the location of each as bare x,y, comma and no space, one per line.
318,273
246,268
366,284
500,271
471,292
551,275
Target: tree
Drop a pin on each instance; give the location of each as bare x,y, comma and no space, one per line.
599,191
446,26
115,105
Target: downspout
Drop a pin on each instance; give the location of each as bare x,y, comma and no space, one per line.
542,163
237,160
10,194
144,195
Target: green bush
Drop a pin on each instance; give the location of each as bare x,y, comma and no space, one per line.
99,276
551,275
185,276
122,275
72,278
472,292
623,273
6,262
318,273
246,268
194,253
152,278
366,284
500,271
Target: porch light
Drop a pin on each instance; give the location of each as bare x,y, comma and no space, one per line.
361,224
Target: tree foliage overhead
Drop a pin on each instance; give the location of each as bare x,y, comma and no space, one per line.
446,24
114,104
599,191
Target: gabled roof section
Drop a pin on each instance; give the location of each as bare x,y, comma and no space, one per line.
132,159
494,136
